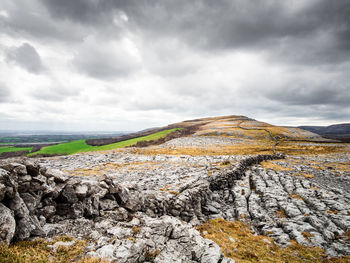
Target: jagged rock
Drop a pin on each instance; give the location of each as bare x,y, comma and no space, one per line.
7,224
104,252
119,214
81,191
28,226
121,194
57,189
68,195
134,203
16,168
91,206
30,201
39,179
164,239
10,182
128,251
58,176
48,211
275,203
18,206
77,210
120,232
2,191
33,169
24,179
107,204
3,175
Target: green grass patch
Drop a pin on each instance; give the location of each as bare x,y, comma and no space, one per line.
6,149
81,146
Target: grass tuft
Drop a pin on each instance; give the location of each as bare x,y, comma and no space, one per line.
38,251
248,247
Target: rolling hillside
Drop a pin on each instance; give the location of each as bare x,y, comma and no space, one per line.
250,136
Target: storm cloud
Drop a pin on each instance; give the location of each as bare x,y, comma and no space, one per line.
155,62
26,57
4,93
112,61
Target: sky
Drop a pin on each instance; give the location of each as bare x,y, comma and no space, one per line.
113,65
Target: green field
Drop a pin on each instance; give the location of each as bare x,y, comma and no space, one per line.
6,149
81,146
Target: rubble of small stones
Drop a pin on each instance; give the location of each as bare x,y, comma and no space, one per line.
131,220
201,141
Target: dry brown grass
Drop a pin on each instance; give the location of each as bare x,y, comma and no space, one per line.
332,212
307,235
246,149
152,254
173,192
281,213
347,235
295,148
237,241
136,230
38,251
306,175
112,167
274,166
296,196
166,189
339,168
344,167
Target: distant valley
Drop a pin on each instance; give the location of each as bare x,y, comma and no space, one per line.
335,131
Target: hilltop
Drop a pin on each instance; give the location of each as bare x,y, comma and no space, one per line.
219,189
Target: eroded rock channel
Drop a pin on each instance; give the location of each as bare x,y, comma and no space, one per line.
133,217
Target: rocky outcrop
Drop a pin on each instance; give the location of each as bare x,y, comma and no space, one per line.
35,199
129,222
163,239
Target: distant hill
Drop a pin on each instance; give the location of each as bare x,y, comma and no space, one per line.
252,135
335,131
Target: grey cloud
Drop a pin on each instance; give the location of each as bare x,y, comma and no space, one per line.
277,27
26,57
178,40
303,94
104,63
77,10
55,93
146,105
256,25
4,93
31,20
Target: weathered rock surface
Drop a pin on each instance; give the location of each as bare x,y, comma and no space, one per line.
7,224
163,239
136,215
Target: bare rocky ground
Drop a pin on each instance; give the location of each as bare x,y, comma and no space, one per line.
139,208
